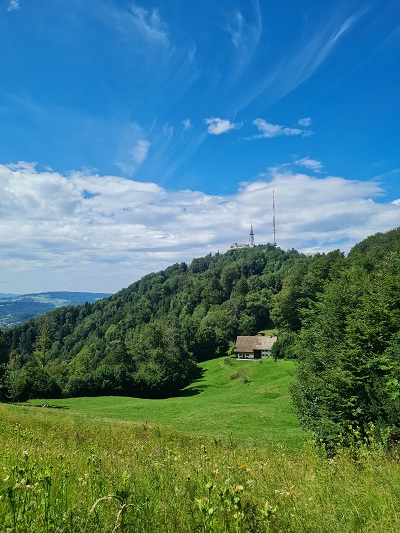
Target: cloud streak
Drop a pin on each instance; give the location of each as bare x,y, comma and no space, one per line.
305,122
312,164
13,5
140,150
84,231
268,130
245,36
305,59
149,25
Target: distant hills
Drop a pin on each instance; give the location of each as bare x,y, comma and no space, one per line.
17,308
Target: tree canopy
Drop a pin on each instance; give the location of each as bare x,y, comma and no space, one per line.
349,349
147,339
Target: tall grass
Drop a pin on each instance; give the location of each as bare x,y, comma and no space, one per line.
68,474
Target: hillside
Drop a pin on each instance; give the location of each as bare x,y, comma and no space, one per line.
146,339
17,308
238,400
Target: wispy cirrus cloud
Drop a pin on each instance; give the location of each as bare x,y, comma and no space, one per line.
143,28
245,35
149,24
168,64
140,150
235,28
304,60
306,121
312,164
13,5
388,173
268,130
133,148
217,126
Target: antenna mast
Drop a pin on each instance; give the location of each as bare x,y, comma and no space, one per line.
273,217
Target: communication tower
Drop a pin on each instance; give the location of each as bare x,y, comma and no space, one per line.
273,218
236,246
251,236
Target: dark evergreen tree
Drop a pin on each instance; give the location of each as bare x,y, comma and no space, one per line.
349,353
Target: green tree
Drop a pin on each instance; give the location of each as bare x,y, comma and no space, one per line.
288,303
285,346
349,358
15,378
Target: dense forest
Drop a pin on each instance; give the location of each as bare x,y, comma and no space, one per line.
339,316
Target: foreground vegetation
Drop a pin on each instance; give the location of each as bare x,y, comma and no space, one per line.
69,474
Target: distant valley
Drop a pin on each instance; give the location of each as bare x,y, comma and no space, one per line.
17,308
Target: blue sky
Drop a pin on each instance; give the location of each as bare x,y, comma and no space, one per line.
137,134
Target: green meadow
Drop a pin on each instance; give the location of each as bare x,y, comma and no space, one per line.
225,457
244,401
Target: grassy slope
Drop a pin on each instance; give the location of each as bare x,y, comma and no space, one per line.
71,473
71,470
257,410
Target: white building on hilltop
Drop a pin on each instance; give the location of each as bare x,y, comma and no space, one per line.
236,246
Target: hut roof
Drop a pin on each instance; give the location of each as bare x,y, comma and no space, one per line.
246,344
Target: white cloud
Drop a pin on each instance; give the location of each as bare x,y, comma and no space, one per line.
13,5
149,24
132,148
187,123
312,164
268,130
305,58
388,173
140,150
84,231
217,126
245,35
305,122
235,28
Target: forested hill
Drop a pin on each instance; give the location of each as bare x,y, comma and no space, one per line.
146,339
